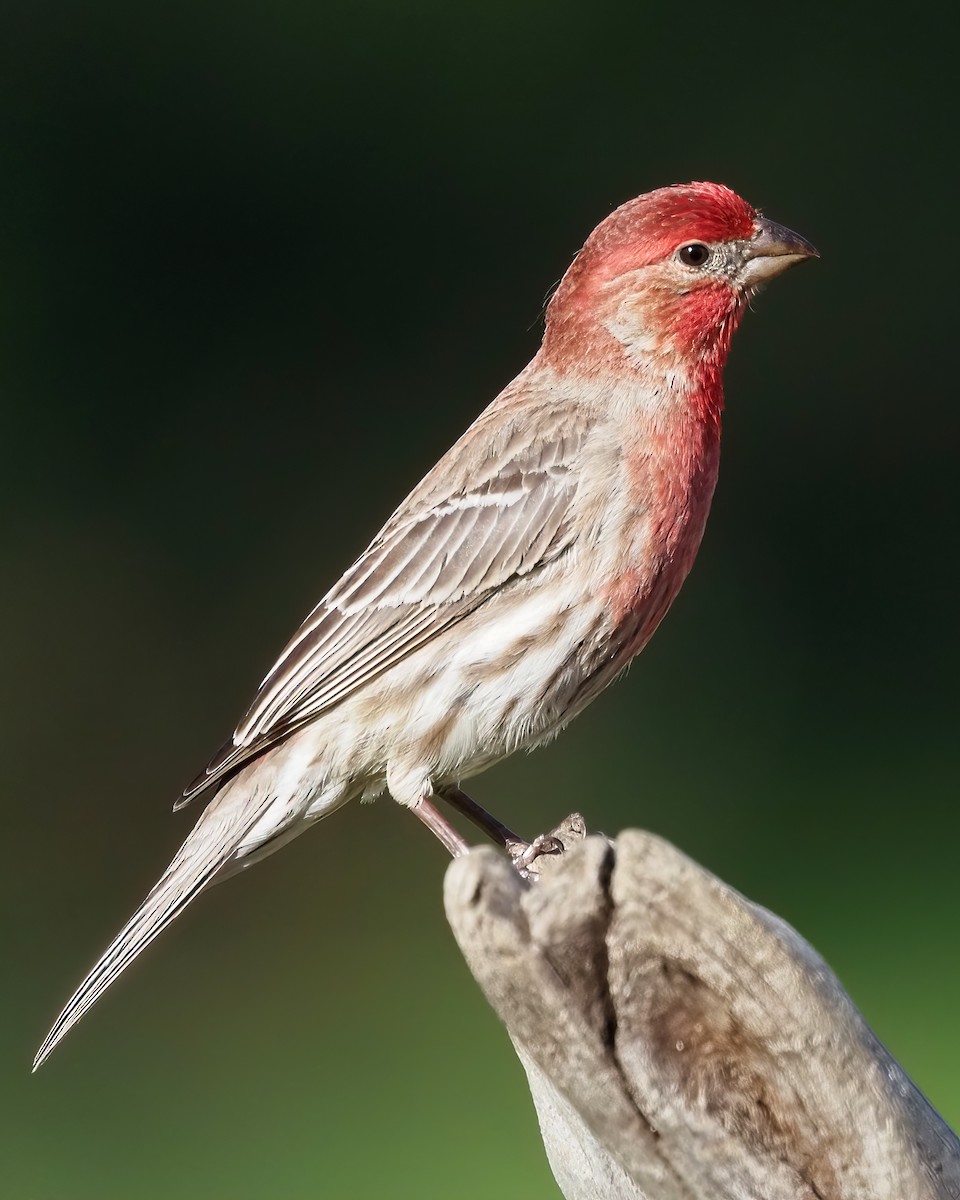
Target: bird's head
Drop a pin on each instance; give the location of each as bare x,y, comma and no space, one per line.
666,277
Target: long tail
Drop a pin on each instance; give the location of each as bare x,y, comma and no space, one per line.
210,846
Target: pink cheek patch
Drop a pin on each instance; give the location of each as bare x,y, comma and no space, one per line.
701,312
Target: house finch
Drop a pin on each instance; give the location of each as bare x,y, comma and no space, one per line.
523,573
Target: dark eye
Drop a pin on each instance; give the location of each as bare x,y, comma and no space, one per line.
694,255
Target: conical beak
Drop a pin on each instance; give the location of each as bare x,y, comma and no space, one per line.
770,251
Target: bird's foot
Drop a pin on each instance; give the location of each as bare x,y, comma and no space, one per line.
524,854
527,856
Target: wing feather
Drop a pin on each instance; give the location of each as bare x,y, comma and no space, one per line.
495,508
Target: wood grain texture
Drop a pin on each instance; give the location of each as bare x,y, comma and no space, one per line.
682,1043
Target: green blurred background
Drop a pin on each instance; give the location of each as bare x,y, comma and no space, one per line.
259,266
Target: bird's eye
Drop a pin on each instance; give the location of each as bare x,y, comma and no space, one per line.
694,255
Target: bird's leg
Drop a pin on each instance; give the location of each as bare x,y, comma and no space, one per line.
521,851
440,827
480,817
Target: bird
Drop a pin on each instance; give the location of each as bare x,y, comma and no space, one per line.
518,579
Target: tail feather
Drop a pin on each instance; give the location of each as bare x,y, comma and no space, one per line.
209,847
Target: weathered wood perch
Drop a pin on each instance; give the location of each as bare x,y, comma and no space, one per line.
682,1043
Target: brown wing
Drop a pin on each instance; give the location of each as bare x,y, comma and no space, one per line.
493,509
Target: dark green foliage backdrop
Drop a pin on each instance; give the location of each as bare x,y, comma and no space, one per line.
259,265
